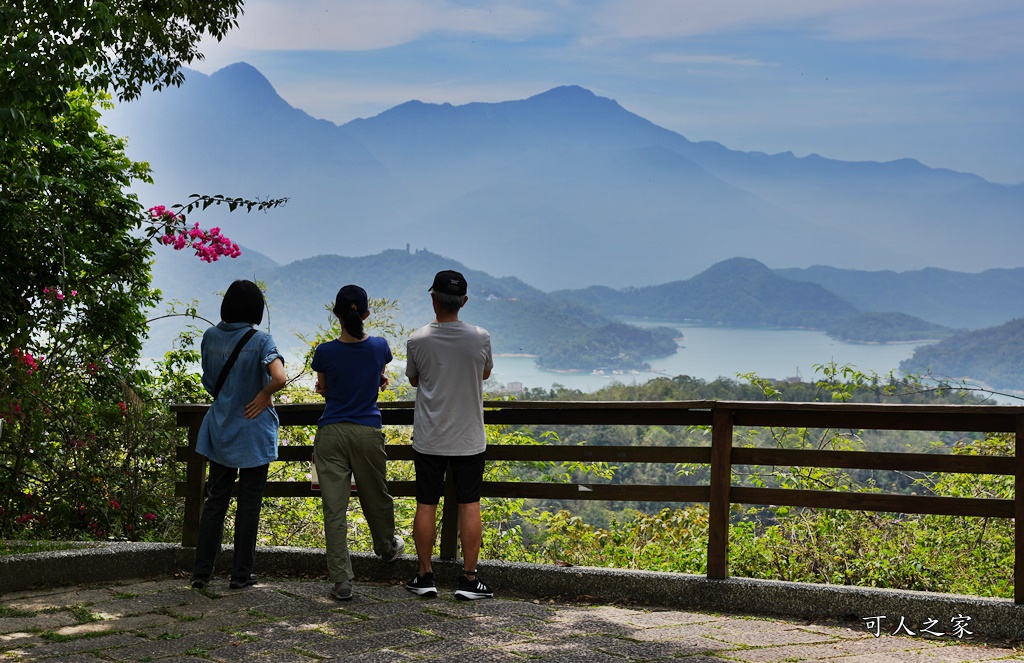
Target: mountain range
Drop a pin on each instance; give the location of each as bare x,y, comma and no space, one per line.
565,189
581,329
520,318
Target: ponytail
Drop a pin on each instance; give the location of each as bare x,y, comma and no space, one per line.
350,306
352,322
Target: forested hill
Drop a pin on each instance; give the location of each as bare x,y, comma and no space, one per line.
992,356
745,293
737,292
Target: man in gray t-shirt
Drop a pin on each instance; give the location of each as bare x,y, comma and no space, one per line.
448,360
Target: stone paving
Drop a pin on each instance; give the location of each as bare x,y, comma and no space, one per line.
290,620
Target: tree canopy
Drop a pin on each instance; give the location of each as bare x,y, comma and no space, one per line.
50,47
77,442
66,212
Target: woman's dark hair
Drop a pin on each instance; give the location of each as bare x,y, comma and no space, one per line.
350,305
243,302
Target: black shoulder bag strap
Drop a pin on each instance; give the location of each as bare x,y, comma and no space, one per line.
231,362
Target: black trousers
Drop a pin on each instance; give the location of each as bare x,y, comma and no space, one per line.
251,482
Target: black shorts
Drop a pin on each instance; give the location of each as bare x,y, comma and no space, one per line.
467,473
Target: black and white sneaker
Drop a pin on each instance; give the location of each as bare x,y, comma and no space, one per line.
422,585
470,590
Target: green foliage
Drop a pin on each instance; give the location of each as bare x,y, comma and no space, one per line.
86,456
86,444
933,553
72,233
921,552
77,437
51,48
672,539
899,551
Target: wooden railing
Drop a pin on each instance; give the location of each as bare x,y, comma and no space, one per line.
720,494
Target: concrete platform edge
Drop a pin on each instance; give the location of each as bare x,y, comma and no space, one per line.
112,562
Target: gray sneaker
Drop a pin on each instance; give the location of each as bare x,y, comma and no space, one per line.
397,546
342,591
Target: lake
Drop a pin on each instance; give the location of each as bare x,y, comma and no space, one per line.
712,352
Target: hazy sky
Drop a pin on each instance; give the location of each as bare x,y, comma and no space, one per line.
941,81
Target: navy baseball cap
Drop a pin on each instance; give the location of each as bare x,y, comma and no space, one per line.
351,296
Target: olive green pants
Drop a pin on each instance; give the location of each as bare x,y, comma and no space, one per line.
345,451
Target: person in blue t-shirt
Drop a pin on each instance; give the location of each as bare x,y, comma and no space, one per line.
349,440
239,431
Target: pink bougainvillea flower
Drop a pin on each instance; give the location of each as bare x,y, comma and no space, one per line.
26,358
150,516
209,245
124,408
115,505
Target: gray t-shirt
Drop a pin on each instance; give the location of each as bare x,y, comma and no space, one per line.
449,359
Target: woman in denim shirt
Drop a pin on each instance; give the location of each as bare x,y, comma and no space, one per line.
239,432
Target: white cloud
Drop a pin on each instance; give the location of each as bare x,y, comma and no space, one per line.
954,29
939,28
353,25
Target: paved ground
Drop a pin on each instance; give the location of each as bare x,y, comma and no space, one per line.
293,620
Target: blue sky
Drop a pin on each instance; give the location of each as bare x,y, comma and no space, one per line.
941,81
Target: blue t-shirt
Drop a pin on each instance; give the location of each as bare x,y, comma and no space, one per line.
352,373
226,436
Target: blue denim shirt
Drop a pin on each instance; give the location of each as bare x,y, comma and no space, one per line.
226,436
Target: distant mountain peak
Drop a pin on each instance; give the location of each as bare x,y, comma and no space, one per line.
245,85
573,98
563,92
242,73
735,266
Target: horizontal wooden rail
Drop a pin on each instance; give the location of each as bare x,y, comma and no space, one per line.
824,499
721,417
540,453
874,460
526,490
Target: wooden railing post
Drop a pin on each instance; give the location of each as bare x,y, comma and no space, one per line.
195,482
1018,510
721,484
449,546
